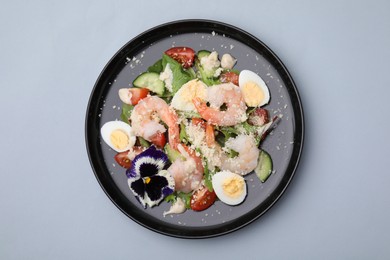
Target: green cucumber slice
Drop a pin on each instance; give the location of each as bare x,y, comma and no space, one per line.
264,166
151,81
202,53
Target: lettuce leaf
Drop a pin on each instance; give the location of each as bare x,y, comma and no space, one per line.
126,112
183,134
156,67
180,76
208,176
206,77
186,197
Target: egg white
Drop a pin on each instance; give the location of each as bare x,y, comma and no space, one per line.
111,126
182,100
246,76
217,182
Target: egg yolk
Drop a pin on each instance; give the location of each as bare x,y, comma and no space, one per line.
194,89
253,94
119,139
233,187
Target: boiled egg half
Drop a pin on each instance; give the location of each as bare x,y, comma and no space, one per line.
253,88
117,135
229,187
182,100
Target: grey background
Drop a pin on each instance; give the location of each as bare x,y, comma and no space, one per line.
52,207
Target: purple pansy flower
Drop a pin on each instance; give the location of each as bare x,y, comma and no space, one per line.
148,178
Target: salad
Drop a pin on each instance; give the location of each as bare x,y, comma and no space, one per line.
191,130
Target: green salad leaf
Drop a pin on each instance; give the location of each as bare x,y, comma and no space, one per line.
180,76
256,131
171,198
156,67
189,114
206,76
186,197
208,175
126,112
192,72
183,134
143,142
224,133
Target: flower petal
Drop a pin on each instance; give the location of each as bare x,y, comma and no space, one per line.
132,174
155,154
148,163
148,168
138,189
171,182
154,188
158,187
167,191
148,178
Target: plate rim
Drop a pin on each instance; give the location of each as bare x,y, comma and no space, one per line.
141,217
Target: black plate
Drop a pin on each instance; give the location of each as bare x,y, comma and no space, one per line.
284,145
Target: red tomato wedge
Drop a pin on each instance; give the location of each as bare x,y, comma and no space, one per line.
137,94
123,160
184,55
229,77
258,117
202,199
159,140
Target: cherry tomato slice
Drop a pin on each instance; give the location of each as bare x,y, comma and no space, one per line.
202,199
229,76
258,117
184,55
123,160
137,94
159,140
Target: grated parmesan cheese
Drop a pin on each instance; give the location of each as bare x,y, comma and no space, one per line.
197,137
210,62
167,77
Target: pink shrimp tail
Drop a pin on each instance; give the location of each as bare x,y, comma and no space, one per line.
174,131
199,104
204,111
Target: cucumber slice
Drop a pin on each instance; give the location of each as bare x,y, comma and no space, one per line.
172,154
202,53
264,166
151,81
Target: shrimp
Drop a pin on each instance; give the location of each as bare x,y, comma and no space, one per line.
201,137
146,116
248,154
226,94
187,173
